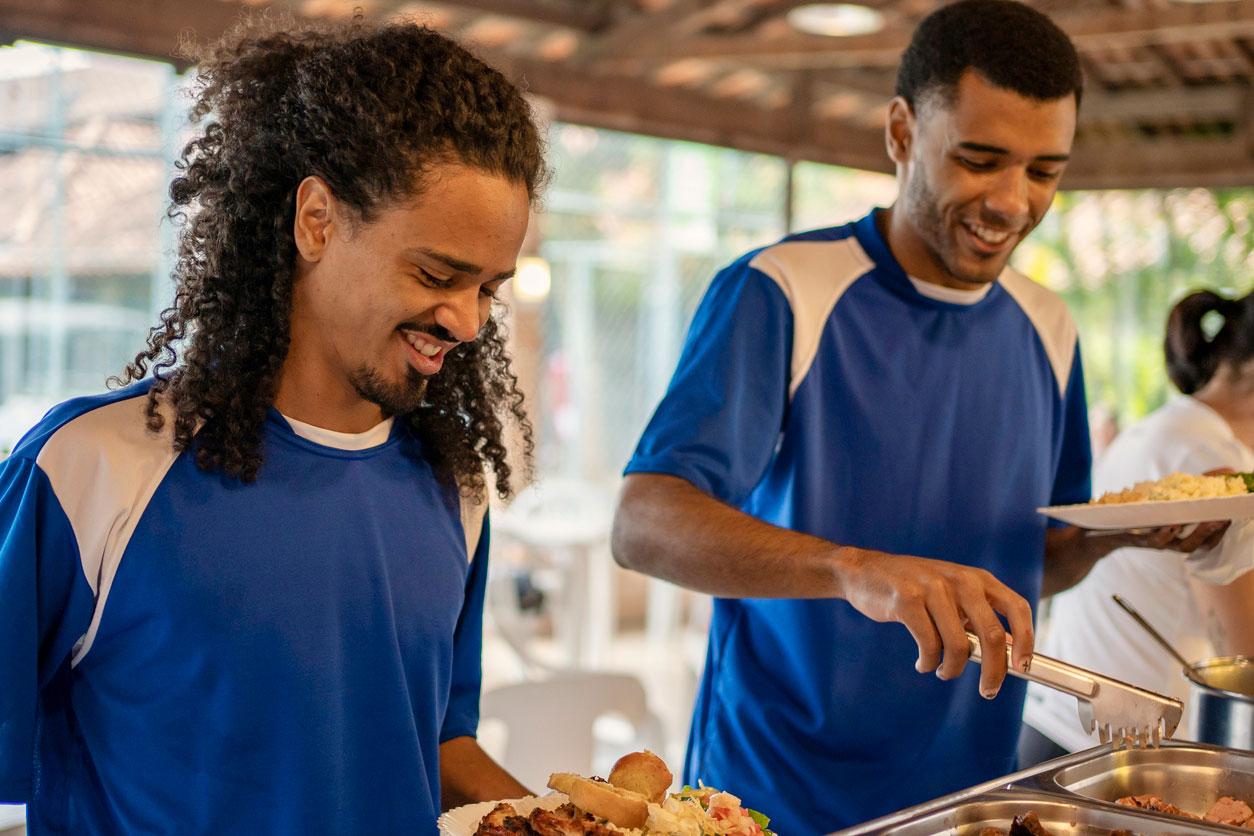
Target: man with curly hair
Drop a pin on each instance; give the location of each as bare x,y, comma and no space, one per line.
244,593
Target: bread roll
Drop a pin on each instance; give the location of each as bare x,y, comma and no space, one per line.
616,805
644,773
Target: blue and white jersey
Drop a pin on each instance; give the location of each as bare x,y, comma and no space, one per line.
823,390
184,653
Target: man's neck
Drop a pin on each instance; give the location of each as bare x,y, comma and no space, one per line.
308,398
912,254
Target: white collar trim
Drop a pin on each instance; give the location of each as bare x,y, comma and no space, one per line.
952,295
373,437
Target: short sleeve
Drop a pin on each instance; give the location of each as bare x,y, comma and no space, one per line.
461,719
1233,556
45,606
720,421
1073,477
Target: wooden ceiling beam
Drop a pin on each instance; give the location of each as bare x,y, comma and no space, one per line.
1096,29
1162,163
627,104
1180,104
570,14
147,28
680,19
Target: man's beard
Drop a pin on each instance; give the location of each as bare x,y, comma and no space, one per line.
926,215
393,399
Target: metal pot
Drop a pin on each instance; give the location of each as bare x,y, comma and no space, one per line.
1221,701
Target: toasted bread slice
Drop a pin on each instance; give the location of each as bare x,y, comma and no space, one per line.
616,805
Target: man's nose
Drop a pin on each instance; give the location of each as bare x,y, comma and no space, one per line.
459,315
1008,197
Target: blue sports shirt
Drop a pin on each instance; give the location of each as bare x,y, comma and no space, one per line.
822,390
184,653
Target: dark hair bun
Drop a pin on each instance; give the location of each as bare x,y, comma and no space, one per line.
1192,358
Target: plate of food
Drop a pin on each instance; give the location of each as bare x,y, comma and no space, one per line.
1175,499
634,800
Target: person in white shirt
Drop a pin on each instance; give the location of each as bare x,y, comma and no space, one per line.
1201,602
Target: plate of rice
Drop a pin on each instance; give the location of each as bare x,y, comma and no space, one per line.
1175,499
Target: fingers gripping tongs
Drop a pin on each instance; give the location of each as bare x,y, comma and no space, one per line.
1120,713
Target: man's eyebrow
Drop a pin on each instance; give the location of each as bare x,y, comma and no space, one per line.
457,264
981,148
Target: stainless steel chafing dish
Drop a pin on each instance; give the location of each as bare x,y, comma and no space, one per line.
1075,794
1190,776
1059,815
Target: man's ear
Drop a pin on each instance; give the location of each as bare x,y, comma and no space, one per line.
899,130
315,207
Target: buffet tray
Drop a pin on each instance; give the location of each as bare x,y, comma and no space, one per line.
1191,776
1060,815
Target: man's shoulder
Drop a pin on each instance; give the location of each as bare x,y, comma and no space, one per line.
820,261
77,429
1038,301
1047,313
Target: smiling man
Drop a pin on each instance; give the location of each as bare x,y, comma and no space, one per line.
245,594
862,425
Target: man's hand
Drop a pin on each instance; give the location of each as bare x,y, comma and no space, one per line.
1176,538
938,602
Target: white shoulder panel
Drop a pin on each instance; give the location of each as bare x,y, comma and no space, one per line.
104,467
1050,317
813,276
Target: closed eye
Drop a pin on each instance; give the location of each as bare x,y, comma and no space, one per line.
977,165
1042,174
429,279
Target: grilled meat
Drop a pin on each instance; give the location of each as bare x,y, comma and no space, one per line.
1229,810
1153,802
1028,824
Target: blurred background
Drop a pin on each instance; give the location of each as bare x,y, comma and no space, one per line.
631,231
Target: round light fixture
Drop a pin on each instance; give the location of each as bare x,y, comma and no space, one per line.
835,20
533,279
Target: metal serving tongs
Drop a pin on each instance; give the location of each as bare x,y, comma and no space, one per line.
1122,714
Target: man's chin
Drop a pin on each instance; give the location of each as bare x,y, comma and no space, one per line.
394,398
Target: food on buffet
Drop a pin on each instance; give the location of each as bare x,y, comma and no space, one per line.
1153,802
1181,486
1029,824
564,821
642,772
1227,810
634,801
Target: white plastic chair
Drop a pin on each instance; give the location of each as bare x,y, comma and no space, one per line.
550,723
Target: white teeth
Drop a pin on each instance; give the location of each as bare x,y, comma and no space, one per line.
420,345
987,235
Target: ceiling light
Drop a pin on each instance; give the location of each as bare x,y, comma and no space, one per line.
836,20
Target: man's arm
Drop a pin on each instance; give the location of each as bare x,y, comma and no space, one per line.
468,775
668,528
1071,553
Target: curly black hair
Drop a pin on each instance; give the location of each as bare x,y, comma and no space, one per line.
367,108
1010,44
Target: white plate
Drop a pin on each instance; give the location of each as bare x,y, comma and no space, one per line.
464,820
1154,514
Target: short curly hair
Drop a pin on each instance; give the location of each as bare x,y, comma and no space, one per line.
368,108
1010,44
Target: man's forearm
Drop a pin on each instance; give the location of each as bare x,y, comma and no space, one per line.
468,775
667,528
1070,555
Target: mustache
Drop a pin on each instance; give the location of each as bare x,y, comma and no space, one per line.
434,329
